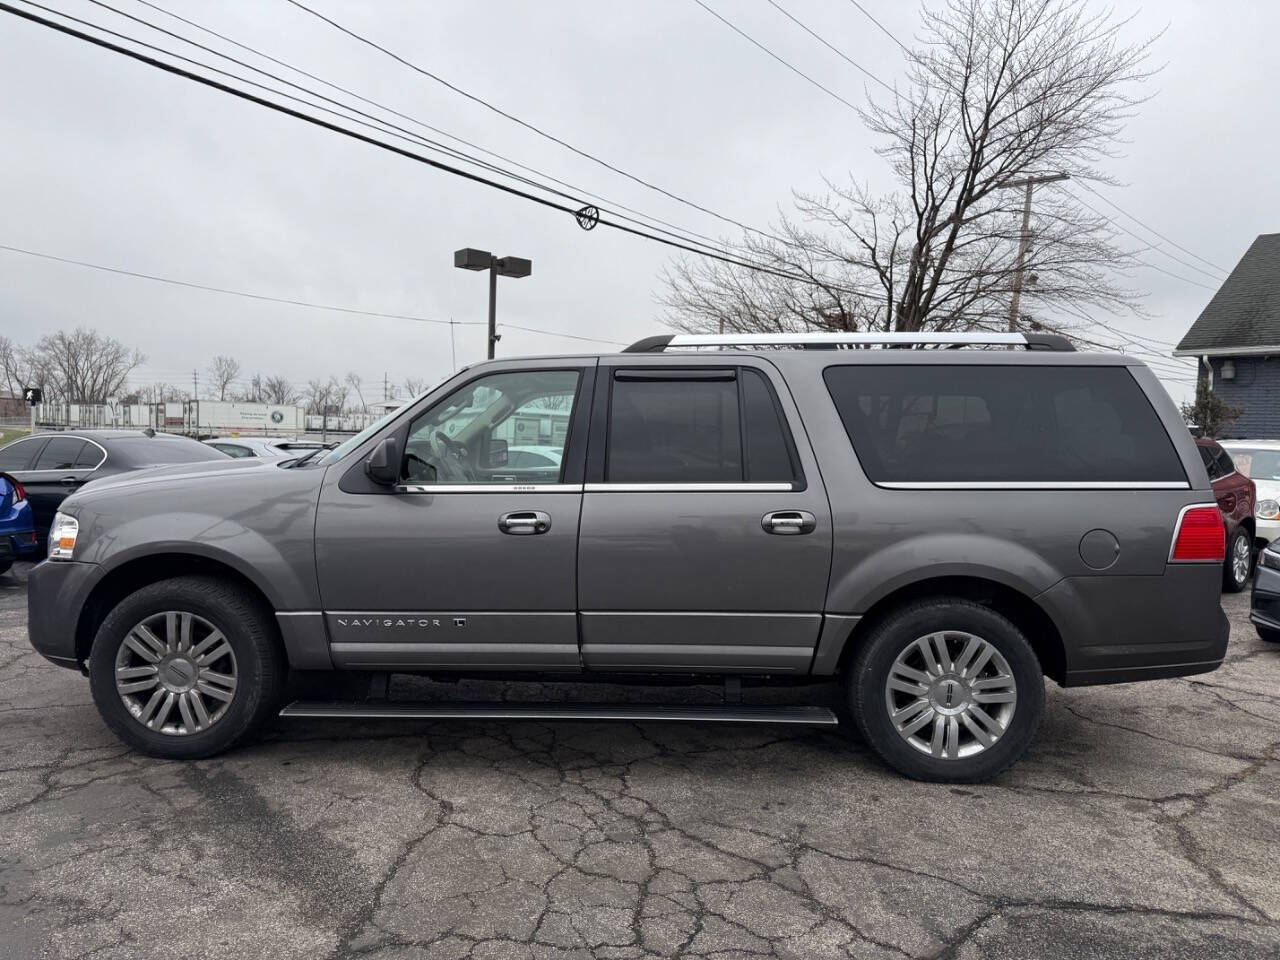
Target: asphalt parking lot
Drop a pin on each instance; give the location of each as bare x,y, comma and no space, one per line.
1144,822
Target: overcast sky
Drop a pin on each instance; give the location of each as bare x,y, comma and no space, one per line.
109,161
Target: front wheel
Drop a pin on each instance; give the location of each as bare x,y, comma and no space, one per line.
1269,635
1239,563
185,668
946,690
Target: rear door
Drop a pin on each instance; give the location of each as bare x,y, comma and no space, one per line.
62,466
706,536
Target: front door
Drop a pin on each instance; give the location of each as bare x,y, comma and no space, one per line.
706,533
469,562
61,467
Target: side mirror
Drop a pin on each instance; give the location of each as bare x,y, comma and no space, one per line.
497,453
383,465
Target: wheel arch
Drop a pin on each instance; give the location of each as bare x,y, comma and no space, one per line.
1027,615
141,571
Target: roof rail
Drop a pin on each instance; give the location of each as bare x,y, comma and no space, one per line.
831,341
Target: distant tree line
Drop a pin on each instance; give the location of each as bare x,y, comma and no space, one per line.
85,366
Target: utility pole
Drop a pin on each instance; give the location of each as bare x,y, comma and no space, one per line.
472,259
195,384
1025,245
386,387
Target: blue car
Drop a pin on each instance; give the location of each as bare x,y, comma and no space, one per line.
17,523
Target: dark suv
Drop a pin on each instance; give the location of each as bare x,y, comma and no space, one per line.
938,528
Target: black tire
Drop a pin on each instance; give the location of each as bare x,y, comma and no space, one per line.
249,629
1267,634
868,673
1230,582
4,567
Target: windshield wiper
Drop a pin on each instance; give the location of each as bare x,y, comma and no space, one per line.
306,456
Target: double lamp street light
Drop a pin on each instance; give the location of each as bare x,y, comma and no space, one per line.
472,259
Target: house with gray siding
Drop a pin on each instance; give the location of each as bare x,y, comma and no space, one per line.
1236,340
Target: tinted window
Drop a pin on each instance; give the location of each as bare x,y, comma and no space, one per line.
59,453
233,449
767,440
150,451
1224,462
1210,461
17,455
993,424
674,430
88,457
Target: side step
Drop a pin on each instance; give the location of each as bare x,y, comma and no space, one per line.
718,713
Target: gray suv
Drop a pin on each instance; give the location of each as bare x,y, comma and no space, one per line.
938,521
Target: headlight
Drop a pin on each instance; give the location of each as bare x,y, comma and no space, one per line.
1269,558
62,536
1267,510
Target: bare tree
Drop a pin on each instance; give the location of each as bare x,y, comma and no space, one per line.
82,366
319,395
223,373
255,391
999,91
415,385
279,390
354,381
15,367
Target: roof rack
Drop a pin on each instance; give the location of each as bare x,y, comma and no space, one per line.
832,341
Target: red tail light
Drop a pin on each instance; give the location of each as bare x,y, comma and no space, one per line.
19,494
1200,537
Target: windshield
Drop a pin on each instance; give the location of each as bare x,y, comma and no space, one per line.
1256,463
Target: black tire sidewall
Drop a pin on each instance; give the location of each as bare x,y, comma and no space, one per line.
865,682
1228,571
240,623
1269,635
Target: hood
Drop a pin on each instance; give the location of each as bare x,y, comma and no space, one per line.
205,473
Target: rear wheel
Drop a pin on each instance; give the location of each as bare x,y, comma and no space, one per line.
185,668
1269,635
1239,562
946,690
4,567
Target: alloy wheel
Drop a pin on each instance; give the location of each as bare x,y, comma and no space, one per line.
950,694
1241,559
176,673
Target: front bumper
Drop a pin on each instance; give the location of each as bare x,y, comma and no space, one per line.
57,591
1264,605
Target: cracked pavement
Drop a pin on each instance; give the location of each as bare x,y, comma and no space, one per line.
1143,823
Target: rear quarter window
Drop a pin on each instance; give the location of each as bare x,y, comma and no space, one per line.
976,423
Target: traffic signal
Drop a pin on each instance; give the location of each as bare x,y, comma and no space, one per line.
33,395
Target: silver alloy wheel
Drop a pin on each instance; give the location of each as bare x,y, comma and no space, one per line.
1241,559
950,694
176,661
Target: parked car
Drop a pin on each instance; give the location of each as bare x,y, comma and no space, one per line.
1236,498
938,529
270,448
1264,602
1259,460
17,529
52,466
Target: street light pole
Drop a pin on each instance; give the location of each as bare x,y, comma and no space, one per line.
469,258
1025,245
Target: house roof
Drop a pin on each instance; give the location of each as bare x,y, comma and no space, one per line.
1244,315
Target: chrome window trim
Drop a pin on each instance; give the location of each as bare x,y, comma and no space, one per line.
488,488
1173,541
1038,485
689,487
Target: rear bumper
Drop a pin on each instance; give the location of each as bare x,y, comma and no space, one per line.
56,594
1120,629
1264,605
19,545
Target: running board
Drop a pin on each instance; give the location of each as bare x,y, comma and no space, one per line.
728,713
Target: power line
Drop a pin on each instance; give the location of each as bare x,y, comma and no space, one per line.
752,40
237,293
648,220
822,40
1153,229
529,126
355,135
556,333
883,29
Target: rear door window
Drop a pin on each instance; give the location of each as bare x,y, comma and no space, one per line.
1211,465
697,426
976,424
18,455
59,453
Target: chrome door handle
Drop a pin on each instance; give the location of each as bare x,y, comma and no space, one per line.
524,522
68,481
788,522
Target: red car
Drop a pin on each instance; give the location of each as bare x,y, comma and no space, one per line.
1236,497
